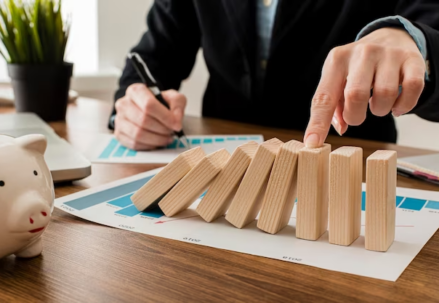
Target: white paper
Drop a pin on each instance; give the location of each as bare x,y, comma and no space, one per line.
417,219
106,149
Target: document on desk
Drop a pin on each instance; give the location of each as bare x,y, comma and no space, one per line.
417,219
106,149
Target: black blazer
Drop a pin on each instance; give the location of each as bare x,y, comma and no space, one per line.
304,33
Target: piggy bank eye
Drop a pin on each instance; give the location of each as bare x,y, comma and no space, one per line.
2,183
35,173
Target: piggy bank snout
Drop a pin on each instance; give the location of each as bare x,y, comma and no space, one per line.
30,216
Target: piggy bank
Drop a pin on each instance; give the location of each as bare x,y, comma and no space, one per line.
26,195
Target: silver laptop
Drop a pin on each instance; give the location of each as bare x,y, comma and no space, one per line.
65,163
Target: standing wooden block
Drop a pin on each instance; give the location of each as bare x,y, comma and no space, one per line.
281,190
194,183
380,200
248,199
220,194
150,194
345,178
312,192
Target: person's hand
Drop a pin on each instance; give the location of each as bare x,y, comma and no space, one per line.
382,60
143,123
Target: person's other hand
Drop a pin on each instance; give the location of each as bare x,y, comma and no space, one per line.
143,123
382,60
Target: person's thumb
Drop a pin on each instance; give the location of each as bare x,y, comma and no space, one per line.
177,103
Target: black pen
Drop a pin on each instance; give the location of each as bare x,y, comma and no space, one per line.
147,78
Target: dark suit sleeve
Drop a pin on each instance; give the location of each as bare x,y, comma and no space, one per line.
169,47
424,14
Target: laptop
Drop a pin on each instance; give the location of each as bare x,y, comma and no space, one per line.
65,163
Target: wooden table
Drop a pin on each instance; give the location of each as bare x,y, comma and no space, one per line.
86,262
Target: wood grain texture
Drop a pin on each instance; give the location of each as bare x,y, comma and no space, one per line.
220,194
87,262
188,189
312,192
345,181
247,202
161,183
281,192
380,200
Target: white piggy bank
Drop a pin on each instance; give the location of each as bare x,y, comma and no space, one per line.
26,195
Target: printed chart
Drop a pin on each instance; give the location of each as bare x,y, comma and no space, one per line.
106,149
417,219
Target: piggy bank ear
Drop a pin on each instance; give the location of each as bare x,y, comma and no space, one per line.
37,143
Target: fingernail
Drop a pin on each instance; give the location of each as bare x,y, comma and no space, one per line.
336,125
312,141
396,113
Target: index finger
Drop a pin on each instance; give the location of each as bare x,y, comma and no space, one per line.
325,100
148,104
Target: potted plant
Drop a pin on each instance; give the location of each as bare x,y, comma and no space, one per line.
34,39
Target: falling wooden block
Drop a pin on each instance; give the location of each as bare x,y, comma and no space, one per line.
312,192
345,179
380,200
220,194
247,202
281,190
149,195
194,183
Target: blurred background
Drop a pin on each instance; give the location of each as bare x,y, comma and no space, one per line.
104,30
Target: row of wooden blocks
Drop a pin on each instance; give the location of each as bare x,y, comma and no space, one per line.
267,179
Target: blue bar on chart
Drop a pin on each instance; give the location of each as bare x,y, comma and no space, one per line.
106,195
432,205
195,142
155,213
231,139
413,204
207,141
255,138
131,153
242,138
173,145
219,140
129,211
109,149
363,201
120,151
122,201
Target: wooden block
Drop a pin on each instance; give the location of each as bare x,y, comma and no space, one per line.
150,194
247,202
281,190
345,179
312,192
220,194
194,183
380,200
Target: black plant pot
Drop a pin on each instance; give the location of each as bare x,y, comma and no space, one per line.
41,89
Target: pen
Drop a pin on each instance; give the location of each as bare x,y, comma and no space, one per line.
147,78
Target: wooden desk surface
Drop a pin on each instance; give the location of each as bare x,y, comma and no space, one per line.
86,262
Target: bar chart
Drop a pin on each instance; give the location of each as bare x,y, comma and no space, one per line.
417,219
107,149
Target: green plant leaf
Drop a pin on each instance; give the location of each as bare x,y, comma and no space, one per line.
33,32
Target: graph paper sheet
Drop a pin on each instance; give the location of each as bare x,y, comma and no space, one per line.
106,149
417,219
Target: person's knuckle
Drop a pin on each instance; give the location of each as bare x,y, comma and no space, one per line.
356,95
149,105
386,92
322,100
137,134
145,121
414,84
369,49
336,55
